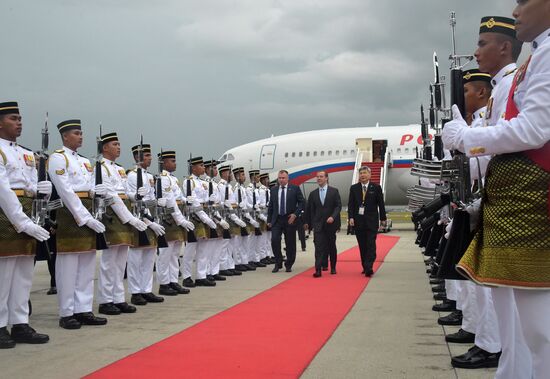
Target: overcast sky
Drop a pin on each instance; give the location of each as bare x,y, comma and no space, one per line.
207,75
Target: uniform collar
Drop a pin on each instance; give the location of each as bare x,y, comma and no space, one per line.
108,162
537,42
222,181
505,71
5,142
69,151
480,113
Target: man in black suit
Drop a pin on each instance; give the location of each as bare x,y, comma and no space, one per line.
323,216
285,203
365,202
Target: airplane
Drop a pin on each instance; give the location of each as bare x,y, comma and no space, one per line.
387,150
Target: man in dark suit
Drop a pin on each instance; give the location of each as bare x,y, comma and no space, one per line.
285,203
323,216
365,202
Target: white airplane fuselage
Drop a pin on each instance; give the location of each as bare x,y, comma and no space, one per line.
334,151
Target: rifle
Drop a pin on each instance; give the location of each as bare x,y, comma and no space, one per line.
427,148
99,203
41,207
213,233
244,232
257,231
160,212
191,237
140,208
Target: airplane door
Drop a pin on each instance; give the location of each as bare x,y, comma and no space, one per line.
267,157
365,146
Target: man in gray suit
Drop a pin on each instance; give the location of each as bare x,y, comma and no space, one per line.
323,216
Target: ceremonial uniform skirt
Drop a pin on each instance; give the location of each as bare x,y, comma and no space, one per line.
174,232
118,233
512,245
12,243
72,238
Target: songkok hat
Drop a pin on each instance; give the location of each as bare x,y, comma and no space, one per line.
474,75
224,168
253,172
145,148
238,170
9,107
109,137
497,24
167,154
68,125
212,162
264,175
195,160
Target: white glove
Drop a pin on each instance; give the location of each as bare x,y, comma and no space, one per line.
95,225
100,189
213,198
254,223
474,211
240,222
224,224
157,229
138,224
36,232
190,199
453,132
44,188
242,205
142,191
257,207
228,204
263,217
211,224
448,229
161,202
188,225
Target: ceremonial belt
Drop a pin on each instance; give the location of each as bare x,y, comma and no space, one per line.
83,194
22,193
179,202
123,196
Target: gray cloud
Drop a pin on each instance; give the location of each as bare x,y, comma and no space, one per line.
204,76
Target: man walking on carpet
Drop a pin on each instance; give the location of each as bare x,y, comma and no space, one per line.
365,209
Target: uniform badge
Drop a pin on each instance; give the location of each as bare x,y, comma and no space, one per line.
151,182
122,173
88,166
60,172
29,160
489,109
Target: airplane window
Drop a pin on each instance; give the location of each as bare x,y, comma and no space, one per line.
300,154
293,155
322,153
352,152
406,150
314,153
230,157
344,152
337,152
398,149
307,153
286,155
329,153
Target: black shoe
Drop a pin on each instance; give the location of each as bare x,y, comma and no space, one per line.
23,333
446,306
440,296
249,267
218,277
210,277
69,322
52,291
6,342
276,269
437,281
369,273
240,268
454,318
333,271
137,299
226,273
461,336
166,290
179,289
108,309
324,268
125,307
152,298
439,288
205,283
257,264
88,318
288,269
188,282
235,272
317,274
476,357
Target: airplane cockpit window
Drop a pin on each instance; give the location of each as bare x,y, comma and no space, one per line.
223,158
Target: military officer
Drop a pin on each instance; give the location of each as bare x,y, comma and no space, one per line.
267,253
18,185
241,242
255,235
71,174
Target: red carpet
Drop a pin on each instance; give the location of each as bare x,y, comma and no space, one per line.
274,334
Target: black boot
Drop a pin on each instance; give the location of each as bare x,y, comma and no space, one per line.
6,341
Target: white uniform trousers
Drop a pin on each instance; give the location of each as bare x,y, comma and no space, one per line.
74,277
189,255
177,247
459,288
15,288
268,243
164,263
215,256
140,270
450,289
111,275
240,255
204,250
226,259
252,248
487,336
470,313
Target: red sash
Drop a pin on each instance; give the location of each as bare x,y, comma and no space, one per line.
540,156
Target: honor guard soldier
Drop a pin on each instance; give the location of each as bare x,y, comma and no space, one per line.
214,206
120,232
141,259
511,249
18,186
227,262
196,195
168,266
267,253
71,174
241,242
255,234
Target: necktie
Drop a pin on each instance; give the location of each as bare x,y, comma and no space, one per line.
282,210
364,191
322,193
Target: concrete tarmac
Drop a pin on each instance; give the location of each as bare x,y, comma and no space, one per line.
391,332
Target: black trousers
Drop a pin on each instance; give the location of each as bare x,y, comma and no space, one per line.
301,235
325,247
282,227
367,246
